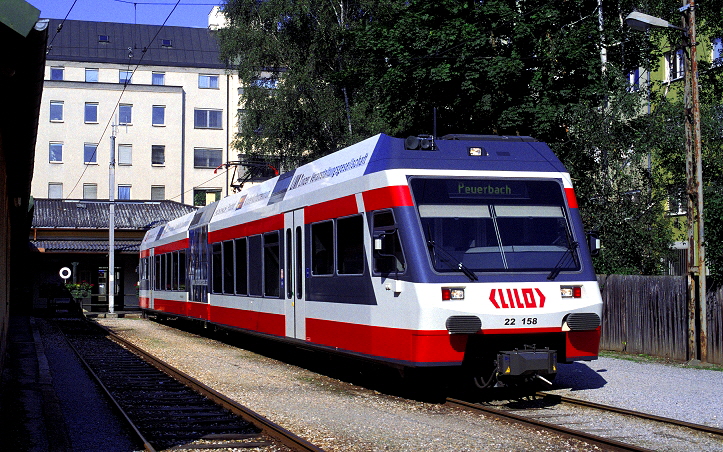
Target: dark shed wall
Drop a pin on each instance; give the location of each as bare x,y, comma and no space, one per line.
21,87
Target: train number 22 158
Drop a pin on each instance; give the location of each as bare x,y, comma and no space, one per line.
524,321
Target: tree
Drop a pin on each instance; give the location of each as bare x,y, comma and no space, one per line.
322,75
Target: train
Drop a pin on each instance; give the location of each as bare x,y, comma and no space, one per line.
453,252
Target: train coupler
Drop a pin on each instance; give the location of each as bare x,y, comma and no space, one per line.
527,362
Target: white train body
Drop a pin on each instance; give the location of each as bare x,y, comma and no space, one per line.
465,253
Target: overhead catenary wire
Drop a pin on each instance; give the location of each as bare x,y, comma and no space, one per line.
120,97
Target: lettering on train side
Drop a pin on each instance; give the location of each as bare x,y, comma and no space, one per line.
517,298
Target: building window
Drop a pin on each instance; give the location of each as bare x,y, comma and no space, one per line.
675,64
717,52
159,115
207,158
91,112
125,114
207,119
125,77
56,152
56,110
103,38
166,43
264,82
124,192
55,190
208,81
634,80
124,154
158,78
90,154
90,191
158,154
57,73
205,196
91,75
158,192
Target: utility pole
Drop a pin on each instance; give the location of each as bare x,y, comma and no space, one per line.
111,224
697,300
694,190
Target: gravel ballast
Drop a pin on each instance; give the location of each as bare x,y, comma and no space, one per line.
340,416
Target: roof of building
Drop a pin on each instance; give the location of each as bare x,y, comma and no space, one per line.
93,214
109,42
85,246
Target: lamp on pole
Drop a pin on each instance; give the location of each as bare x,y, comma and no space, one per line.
697,308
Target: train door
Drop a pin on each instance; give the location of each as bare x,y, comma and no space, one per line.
198,265
294,275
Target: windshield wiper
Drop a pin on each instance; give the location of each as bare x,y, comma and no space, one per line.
569,252
459,265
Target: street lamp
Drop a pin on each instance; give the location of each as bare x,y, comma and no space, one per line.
694,175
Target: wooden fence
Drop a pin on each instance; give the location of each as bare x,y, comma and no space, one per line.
649,315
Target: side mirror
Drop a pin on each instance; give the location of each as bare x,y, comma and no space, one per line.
593,243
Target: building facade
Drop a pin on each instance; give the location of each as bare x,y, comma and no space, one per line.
161,91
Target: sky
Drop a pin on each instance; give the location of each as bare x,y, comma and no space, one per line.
189,13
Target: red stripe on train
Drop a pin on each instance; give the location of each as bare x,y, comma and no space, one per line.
386,197
340,207
571,198
426,346
168,247
262,322
246,229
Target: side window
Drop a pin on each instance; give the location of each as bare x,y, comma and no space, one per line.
157,274
228,273
322,248
350,245
182,270
216,270
174,270
255,269
388,255
272,264
242,287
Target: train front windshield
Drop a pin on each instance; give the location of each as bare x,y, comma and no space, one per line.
495,225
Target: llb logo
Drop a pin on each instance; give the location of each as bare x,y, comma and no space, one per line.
517,298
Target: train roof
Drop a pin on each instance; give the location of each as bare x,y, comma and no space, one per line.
379,153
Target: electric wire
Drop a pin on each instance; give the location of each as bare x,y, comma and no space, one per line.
60,27
125,86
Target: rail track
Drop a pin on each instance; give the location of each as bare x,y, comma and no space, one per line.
164,407
541,411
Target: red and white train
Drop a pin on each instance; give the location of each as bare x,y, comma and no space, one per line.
462,250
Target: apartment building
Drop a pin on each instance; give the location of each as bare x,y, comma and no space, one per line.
162,91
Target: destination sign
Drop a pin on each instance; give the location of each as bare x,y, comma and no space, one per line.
469,188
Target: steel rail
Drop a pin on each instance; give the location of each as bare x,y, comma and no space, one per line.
146,445
647,416
268,427
605,443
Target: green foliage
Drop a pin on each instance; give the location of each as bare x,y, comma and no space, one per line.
320,75
713,215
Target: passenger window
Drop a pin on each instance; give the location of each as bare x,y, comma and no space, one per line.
242,287
228,272
388,255
350,245
182,270
216,270
322,248
272,265
173,265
